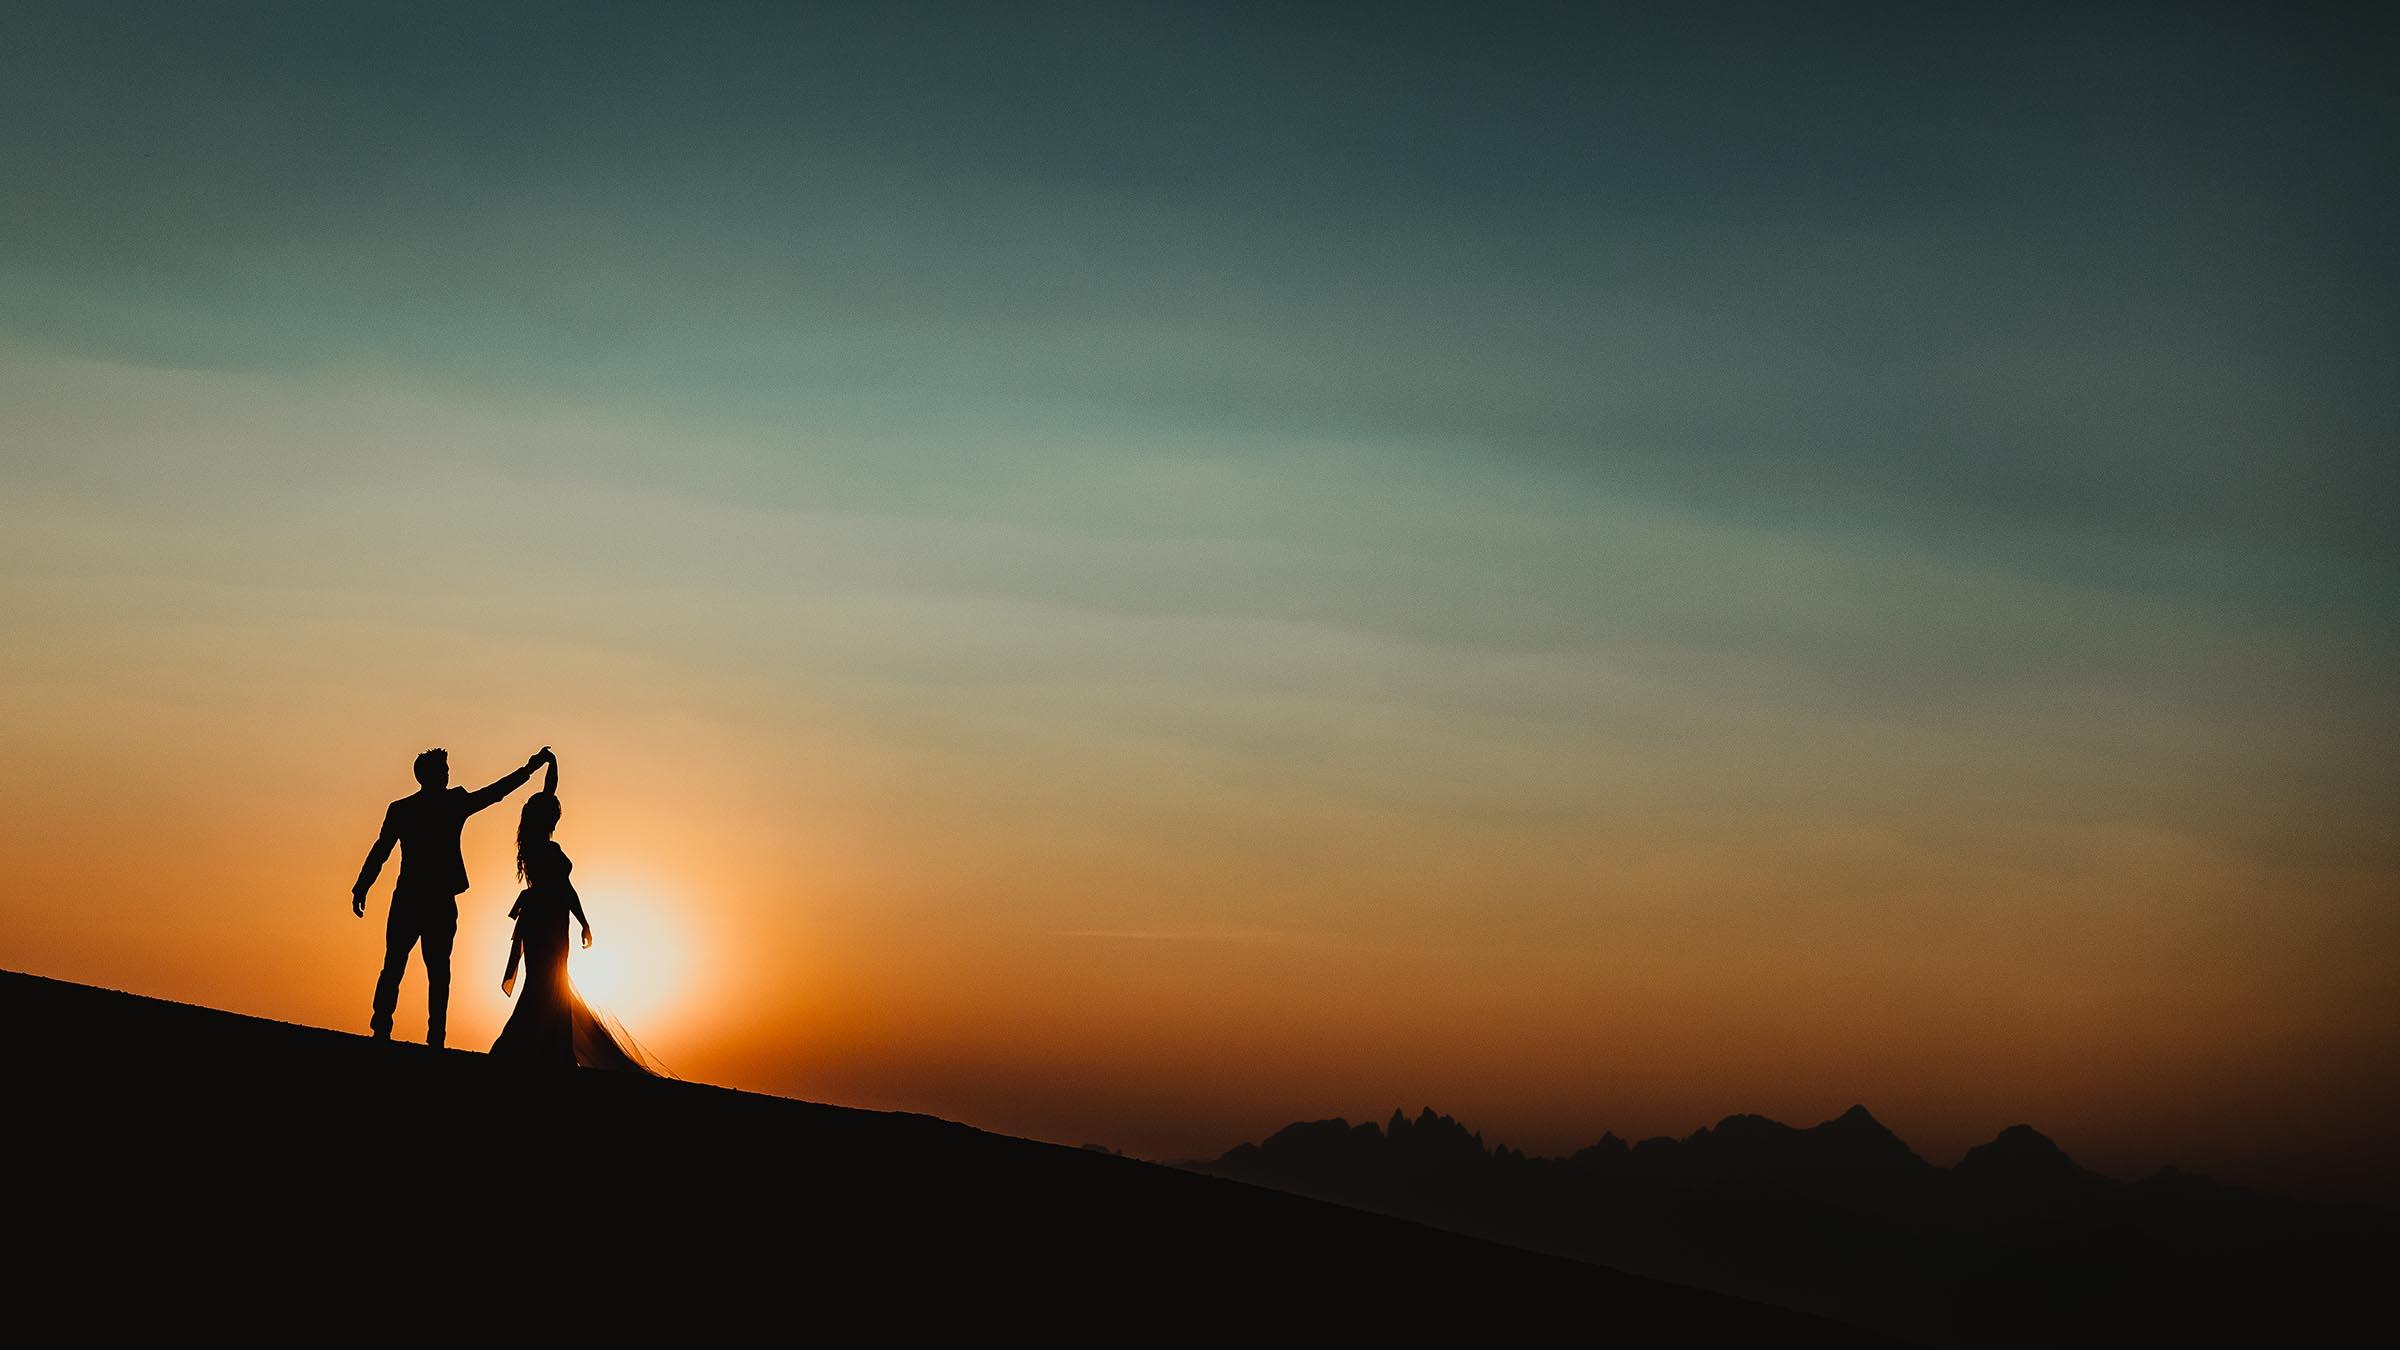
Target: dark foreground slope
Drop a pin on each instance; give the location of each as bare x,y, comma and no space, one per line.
179,1169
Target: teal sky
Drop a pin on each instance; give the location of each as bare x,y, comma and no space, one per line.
1881,496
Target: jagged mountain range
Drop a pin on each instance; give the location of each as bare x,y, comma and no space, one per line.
2016,1244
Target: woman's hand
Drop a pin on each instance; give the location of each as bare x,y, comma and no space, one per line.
587,935
508,985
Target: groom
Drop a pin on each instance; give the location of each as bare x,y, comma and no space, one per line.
426,825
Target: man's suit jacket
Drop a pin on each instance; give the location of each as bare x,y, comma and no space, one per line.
426,825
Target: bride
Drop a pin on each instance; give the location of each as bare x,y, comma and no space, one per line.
551,1024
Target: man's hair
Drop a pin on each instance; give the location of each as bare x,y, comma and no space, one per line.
428,762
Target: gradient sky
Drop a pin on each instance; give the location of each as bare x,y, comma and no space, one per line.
1135,574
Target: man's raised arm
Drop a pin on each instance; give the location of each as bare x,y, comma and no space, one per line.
374,864
485,796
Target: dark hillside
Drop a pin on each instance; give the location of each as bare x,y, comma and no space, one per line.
181,1170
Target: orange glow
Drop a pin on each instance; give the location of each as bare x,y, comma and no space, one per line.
639,967
828,938
1167,883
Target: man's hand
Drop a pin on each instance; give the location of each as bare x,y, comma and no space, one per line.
587,935
535,761
358,903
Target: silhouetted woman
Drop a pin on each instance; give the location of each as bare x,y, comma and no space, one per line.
551,1025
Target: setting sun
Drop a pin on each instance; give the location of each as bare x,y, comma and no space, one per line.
637,970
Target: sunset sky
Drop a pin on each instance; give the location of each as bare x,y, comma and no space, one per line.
1139,574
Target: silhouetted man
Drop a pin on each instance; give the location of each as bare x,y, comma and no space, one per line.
426,825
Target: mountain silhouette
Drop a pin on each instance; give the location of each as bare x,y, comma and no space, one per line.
2022,1156
185,1171
2016,1245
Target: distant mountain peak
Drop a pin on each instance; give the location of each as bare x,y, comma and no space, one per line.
1858,1121
1744,1122
1851,1143
2019,1153
1610,1149
2024,1140
1863,1136
1433,1133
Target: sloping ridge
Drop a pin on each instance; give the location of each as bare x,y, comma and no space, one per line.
184,1166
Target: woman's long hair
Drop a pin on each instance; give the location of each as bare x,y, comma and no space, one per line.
534,827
